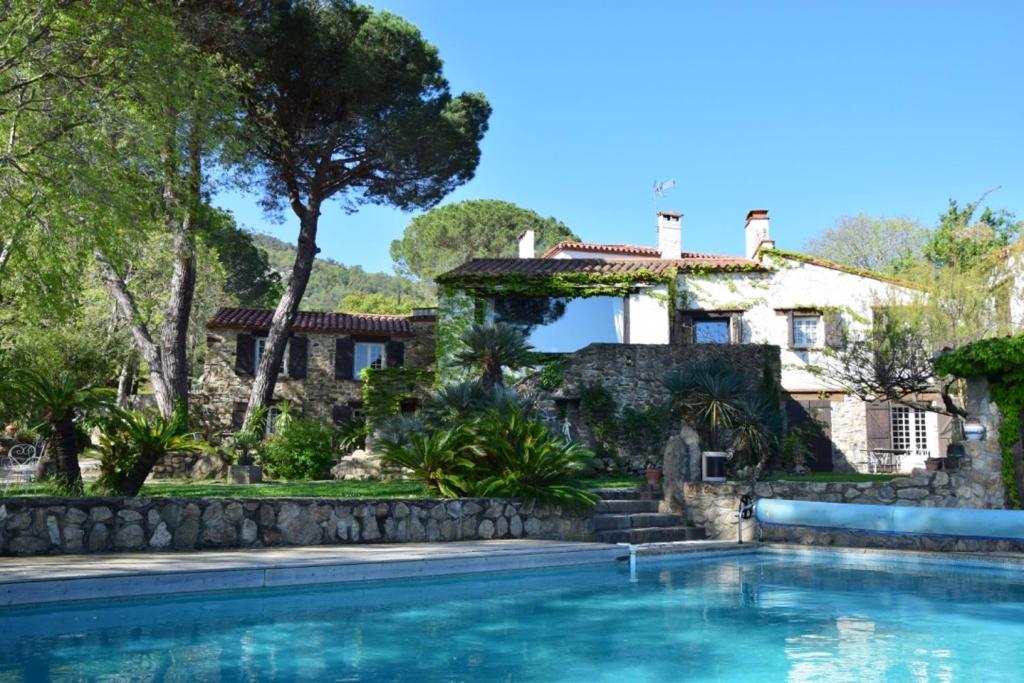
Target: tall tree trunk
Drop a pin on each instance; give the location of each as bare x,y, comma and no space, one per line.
63,448
284,316
126,379
174,332
144,343
134,479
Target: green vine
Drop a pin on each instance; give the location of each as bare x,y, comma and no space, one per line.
1001,360
384,389
571,285
551,373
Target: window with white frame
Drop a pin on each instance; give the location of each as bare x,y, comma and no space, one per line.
909,429
261,347
806,331
269,426
368,355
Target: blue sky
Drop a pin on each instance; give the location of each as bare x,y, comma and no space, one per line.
813,110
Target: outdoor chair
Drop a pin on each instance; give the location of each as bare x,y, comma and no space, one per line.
19,464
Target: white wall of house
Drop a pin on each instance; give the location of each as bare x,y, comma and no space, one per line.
1017,292
648,316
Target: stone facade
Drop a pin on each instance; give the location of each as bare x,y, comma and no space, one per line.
224,388
633,374
34,526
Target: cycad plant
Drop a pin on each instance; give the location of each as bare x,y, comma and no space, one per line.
521,458
491,348
441,459
709,396
57,401
132,442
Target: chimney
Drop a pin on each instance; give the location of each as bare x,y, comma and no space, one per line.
526,244
756,231
669,238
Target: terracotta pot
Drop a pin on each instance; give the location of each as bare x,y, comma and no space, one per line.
653,475
933,464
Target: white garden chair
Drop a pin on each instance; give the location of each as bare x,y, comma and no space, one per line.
19,465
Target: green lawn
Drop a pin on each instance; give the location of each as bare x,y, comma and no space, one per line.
301,489
828,477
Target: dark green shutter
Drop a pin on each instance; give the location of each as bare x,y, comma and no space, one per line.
395,353
298,354
245,354
344,358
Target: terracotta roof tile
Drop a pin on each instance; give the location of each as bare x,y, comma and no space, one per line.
313,321
623,249
540,267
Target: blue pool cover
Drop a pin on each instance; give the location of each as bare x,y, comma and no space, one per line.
893,519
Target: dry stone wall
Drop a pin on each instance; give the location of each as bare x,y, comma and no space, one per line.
53,526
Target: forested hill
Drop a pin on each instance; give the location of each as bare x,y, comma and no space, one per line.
331,282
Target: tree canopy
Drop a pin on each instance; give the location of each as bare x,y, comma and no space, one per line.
445,237
881,245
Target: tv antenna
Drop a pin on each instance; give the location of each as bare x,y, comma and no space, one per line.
660,189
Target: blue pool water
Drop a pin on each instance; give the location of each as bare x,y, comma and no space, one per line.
747,618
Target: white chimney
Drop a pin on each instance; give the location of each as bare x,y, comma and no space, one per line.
756,231
526,245
669,234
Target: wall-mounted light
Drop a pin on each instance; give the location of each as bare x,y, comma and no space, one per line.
974,430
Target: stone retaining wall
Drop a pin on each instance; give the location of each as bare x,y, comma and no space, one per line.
31,526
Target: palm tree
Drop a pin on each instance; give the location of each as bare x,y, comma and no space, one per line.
56,401
133,442
492,348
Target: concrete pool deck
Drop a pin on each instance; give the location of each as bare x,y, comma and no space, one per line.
50,579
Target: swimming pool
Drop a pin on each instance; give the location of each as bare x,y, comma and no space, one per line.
762,616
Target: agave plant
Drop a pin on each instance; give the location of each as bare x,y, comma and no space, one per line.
132,442
440,459
57,401
709,396
491,348
521,458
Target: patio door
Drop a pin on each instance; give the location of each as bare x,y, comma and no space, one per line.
804,412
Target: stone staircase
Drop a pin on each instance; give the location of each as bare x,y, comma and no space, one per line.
631,516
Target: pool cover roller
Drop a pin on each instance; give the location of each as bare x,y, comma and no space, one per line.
1005,525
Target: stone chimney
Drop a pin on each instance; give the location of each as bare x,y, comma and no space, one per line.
526,244
756,232
669,234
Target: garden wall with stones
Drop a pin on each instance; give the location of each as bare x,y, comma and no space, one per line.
34,526
633,373
977,484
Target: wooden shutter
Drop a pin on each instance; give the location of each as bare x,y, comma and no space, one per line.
395,353
238,415
736,328
879,424
834,329
945,434
344,358
245,354
298,354
789,329
686,329
341,414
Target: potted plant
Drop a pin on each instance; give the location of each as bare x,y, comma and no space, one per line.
652,472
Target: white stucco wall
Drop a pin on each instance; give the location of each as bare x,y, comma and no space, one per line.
1017,293
648,316
791,284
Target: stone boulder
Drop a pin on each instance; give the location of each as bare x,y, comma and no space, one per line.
681,459
358,465
209,466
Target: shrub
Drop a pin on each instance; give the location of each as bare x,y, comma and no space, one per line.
300,448
442,459
520,458
132,442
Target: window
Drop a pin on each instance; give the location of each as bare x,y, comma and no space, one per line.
562,325
269,426
260,347
805,331
909,429
711,331
368,355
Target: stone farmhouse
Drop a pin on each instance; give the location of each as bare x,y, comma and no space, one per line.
323,360
579,294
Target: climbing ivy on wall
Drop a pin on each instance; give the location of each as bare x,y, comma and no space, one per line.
384,389
1001,360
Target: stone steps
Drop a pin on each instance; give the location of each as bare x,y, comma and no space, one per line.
654,534
627,506
642,519
631,516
